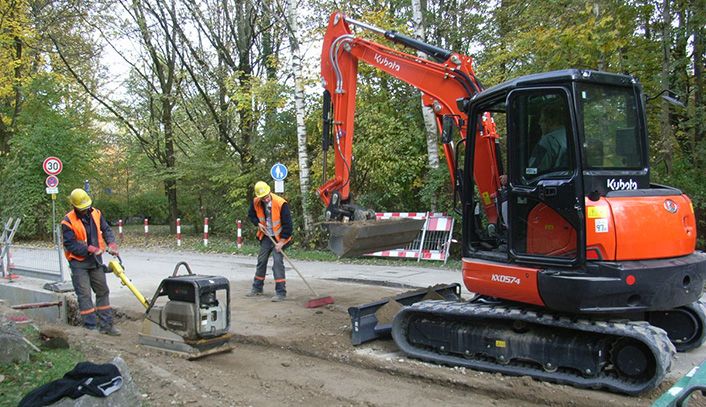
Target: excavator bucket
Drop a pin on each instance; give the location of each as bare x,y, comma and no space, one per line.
360,237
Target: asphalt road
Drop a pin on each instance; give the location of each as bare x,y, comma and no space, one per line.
147,269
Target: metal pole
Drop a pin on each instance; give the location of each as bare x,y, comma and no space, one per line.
53,215
57,237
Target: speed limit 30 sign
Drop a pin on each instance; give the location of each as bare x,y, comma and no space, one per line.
52,166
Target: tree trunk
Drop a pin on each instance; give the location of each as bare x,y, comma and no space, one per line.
170,183
699,17
243,13
597,14
430,126
300,113
665,123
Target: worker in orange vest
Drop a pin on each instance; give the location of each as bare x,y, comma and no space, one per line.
86,236
270,213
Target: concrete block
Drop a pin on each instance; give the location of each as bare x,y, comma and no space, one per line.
27,290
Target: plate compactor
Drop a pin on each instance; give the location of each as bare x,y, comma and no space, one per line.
194,322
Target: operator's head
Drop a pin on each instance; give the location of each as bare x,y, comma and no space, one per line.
553,114
262,190
80,200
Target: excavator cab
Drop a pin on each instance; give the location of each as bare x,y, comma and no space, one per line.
571,136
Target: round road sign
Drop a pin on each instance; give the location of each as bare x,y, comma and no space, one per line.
52,181
52,166
278,172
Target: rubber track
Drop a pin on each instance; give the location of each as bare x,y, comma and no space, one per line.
654,338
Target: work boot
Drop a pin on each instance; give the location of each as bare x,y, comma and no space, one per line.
112,331
278,298
254,293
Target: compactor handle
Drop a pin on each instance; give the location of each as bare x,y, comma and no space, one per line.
181,263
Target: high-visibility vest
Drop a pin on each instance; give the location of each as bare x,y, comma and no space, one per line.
80,232
277,203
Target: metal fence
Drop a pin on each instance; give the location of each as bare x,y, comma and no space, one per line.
432,242
47,262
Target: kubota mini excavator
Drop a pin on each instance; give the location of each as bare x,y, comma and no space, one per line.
585,272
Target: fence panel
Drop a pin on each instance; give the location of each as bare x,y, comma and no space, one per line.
432,242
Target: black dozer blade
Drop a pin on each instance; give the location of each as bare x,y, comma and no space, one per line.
356,238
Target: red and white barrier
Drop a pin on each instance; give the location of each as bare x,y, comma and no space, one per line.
240,235
205,231
147,228
120,229
178,231
433,241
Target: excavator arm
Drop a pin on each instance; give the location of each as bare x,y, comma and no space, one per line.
447,82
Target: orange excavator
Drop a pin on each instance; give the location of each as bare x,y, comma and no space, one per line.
585,272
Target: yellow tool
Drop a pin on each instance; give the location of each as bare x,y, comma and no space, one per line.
118,270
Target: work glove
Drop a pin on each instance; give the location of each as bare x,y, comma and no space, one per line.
113,249
94,250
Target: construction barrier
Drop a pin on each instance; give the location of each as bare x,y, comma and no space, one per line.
205,232
432,242
178,231
240,235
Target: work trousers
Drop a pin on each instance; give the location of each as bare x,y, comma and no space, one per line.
267,247
84,280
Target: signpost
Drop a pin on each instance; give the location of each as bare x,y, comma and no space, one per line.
53,166
279,173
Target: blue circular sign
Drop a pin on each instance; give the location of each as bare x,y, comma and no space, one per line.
52,181
278,172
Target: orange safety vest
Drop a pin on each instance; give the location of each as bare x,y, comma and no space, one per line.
80,231
277,203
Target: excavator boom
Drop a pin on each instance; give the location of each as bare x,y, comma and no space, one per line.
447,83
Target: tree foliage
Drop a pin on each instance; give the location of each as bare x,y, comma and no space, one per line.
207,104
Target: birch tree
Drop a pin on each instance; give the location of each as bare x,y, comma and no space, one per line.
430,126
297,73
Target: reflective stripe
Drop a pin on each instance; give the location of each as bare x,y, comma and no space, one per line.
259,278
88,311
280,280
103,308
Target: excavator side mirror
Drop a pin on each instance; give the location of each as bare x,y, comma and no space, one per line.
448,125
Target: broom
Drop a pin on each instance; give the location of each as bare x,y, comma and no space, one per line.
315,302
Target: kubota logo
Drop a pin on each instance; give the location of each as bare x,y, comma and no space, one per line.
387,63
501,278
618,184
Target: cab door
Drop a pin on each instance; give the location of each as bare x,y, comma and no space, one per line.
545,200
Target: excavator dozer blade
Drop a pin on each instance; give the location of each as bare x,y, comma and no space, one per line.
360,237
374,320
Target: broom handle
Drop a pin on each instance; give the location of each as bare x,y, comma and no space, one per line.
293,266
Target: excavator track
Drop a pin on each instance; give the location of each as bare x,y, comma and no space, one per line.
621,356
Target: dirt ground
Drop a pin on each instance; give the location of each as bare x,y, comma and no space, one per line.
286,354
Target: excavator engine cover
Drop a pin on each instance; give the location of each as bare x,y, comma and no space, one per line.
360,237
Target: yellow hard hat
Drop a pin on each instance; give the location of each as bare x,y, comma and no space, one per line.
80,199
261,189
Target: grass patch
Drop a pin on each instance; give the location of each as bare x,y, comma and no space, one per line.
43,367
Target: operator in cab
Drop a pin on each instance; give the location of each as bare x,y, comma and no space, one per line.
550,153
